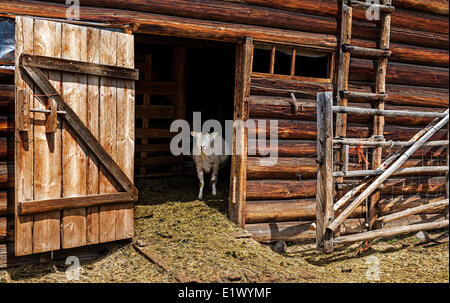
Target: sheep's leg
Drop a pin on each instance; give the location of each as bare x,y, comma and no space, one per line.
214,177
202,183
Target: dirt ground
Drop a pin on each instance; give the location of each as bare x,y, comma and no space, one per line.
194,241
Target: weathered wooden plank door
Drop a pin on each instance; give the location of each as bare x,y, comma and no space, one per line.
74,137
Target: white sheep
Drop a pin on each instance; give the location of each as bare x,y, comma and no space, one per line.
209,156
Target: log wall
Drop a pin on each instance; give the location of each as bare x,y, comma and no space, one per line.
417,78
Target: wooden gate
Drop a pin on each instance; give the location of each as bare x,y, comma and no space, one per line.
74,146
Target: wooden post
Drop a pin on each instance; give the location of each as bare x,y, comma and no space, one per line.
378,121
325,188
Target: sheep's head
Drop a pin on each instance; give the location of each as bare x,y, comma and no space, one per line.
203,142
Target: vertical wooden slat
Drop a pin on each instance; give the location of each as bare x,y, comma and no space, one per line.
93,56
238,177
74,159
325,182
125,132
23,241
47,147
342,76
378,121
272,60
107,119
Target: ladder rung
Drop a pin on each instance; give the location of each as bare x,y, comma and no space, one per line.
364,51
363,5
364,96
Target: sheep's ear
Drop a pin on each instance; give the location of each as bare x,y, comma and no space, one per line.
194,134
214,135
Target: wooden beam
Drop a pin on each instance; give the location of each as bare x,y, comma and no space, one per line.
81,67
382,233
434,206
108,164
42,206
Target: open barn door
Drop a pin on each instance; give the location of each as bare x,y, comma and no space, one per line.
74,144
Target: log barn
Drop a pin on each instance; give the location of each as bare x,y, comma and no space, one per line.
87,99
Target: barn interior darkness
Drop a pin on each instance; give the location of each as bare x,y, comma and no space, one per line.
177,78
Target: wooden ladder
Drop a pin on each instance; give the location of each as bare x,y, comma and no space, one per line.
378,98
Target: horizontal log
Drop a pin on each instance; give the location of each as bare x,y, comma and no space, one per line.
154,111
158,161
6,125
291,168
302,231
285,210
428,170
432,6
307,130
261,85
396,186
148,23
276,17
281,107
6,229
296,189
286,148
433,206
400,73
6,202
280,189
6,95
375,234
296,231
155,133
306,168
40,206
152,147
409,95
365,51
412,54
331,8
6,174
386,113
398,94
6,148
165,88
368,143
389,205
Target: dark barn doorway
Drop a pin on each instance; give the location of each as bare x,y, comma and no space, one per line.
178,77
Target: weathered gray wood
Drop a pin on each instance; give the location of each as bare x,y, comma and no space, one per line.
365,143
396,165
381,233
74,66
385,113
325,182
365,51
415,210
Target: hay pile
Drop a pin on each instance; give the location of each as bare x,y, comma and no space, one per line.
194,239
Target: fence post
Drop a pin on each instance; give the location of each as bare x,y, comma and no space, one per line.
325,182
